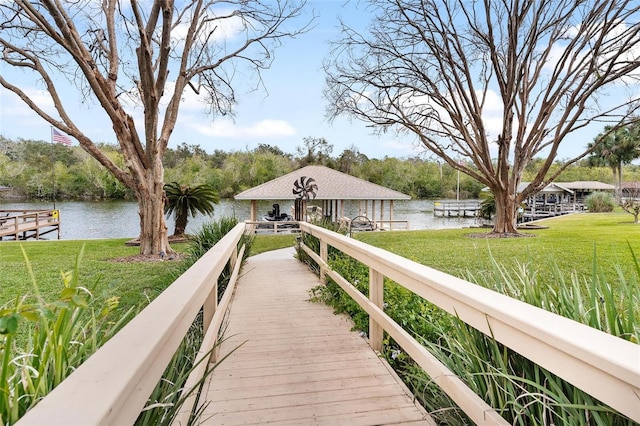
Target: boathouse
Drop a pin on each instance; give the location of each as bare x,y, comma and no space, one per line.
565,193
329,189
559,198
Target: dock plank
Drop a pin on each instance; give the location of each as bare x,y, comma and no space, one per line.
296,362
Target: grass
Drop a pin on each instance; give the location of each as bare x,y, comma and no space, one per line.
136,283
268,242
569,241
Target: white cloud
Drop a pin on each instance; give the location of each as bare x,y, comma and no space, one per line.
225,128
218,26
13,106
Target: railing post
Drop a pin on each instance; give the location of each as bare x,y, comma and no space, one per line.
376,295
324,256
209,307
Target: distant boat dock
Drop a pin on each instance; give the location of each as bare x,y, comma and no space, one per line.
25,224
466,208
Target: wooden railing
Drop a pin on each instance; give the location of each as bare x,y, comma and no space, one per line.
602,365
456,208
273,226
14,223
113,385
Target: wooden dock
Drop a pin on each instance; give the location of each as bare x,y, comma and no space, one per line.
297,362
466,208
25,224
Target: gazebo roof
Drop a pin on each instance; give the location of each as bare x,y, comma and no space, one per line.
590,185
570,187
332,185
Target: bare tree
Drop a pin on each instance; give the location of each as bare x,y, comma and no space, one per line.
314,151
116,53
437,69
630,200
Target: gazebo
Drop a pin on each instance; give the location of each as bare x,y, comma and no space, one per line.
333,189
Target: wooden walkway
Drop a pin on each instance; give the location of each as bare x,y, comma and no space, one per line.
300,364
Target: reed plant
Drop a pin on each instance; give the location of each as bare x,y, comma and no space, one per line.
523,392
60,335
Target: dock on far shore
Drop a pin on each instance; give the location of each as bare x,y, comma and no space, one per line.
464,208
26,224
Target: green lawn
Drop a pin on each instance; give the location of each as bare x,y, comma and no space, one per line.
570,242
136,283
133,282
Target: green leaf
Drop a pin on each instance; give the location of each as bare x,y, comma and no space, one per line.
9,324
67,293
79,301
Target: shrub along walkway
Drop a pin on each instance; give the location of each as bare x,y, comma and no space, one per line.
300,363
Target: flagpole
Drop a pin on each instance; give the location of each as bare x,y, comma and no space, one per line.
53,159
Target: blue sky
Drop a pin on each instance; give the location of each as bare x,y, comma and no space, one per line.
293,108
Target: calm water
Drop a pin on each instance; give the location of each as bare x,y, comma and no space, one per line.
119,219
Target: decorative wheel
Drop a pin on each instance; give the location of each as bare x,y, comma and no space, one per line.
305,188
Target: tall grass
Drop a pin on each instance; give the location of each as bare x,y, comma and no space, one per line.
521,390
61,334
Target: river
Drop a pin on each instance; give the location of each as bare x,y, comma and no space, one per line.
119,219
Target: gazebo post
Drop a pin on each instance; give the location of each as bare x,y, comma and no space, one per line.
254,209
373,211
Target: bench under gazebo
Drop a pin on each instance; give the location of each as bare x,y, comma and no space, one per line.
330,189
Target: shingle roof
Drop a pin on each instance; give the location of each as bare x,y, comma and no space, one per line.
588,185
332,185
570,187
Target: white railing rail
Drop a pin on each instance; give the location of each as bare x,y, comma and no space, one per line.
274,226
602,365
113,385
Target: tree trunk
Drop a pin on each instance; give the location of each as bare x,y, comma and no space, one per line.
153,229
181,224
506,210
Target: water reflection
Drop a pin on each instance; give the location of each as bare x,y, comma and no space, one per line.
120,219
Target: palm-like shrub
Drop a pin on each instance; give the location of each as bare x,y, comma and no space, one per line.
600,202
487,205
188,201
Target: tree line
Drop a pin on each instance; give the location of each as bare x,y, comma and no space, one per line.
39,170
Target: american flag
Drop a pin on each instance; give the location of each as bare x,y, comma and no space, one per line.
59,137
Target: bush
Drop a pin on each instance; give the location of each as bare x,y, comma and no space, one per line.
208,236
600,202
